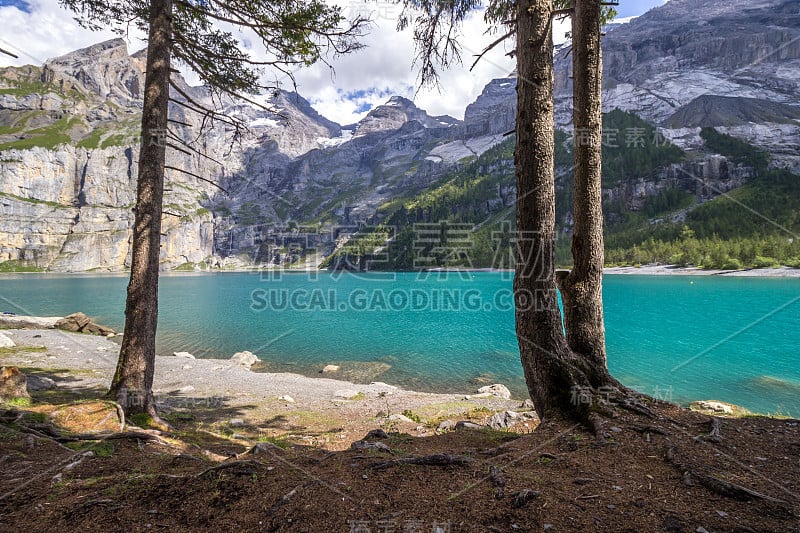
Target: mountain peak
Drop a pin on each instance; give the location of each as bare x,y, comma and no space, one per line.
395,113
104,69
399,101
110,49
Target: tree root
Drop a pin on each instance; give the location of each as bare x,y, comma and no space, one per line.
498,480
286,498
716,484
242,468
715,435
437,459
630,404
522,497
47,431
658,430
595,422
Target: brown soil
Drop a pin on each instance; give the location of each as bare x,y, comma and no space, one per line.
201,479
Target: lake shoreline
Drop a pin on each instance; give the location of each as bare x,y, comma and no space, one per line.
84,362
81,366
672,270
643,270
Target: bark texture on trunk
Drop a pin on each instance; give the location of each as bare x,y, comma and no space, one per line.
551,370
581,289
132,384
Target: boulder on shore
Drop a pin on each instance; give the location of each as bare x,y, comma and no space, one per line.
5,342
80,323
245,359
508,419
497,389
715,407
13,384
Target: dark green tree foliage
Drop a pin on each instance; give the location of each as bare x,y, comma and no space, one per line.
753,226
633,149
735,149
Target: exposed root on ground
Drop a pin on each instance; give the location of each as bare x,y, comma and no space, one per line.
437,459
715,483
715,434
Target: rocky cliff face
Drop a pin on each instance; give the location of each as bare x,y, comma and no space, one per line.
730,64
69,154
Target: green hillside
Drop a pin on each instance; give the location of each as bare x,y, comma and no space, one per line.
467,218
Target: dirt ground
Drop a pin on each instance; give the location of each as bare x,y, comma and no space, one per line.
670,472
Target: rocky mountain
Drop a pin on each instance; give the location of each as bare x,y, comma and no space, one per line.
396,112
680,64
298,181
69,155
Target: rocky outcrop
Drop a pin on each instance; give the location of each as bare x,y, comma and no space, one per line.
734,64
71,209
706,177
494,111
104,69
80,323
395,113
12,384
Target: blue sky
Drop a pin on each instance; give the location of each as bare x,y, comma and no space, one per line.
19,4
36,30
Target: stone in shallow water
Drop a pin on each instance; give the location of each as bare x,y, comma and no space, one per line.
772,385
185,355
330,368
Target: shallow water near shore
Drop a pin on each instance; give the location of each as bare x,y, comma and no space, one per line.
676,337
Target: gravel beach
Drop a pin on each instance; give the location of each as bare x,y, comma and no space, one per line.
84,364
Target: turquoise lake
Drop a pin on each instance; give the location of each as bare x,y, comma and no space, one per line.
678,337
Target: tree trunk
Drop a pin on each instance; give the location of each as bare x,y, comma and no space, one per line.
581,289
551,370
133,380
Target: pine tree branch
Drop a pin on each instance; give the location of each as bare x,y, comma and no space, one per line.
491,46
201,178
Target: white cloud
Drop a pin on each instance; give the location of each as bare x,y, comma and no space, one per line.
358,82
386,63
47,31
